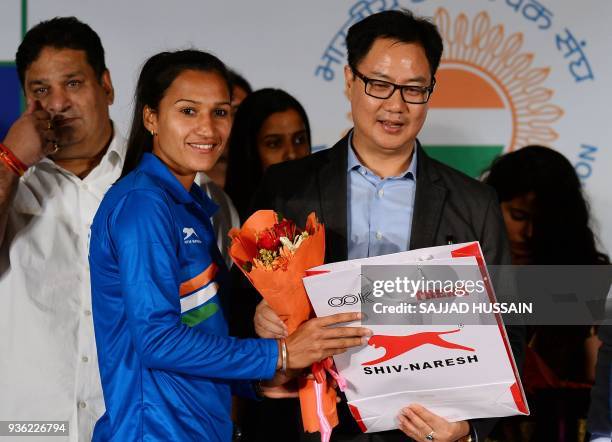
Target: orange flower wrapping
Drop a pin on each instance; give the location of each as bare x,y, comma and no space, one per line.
283,289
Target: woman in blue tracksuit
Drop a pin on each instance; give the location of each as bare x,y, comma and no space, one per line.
167,364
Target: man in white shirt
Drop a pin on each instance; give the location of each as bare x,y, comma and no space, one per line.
66,140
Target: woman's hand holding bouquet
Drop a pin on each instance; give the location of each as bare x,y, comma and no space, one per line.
274,254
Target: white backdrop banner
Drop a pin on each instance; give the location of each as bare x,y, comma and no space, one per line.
514,72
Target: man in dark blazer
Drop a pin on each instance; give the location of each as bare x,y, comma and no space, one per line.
379,172
447,205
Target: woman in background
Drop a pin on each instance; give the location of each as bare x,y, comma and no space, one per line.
159,284
546,214
548,223
269,127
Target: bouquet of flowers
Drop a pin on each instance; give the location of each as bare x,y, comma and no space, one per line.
274,254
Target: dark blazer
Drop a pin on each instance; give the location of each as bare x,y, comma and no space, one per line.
447,203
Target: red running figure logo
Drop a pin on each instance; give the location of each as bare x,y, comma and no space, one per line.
397,345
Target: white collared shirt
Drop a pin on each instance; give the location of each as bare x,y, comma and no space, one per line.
48,361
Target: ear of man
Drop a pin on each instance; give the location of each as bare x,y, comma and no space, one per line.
349,79
107,85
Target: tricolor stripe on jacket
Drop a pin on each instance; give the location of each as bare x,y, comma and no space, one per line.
197,295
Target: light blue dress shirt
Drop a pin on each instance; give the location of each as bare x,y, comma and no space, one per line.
379,210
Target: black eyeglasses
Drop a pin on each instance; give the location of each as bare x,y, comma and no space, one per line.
384,89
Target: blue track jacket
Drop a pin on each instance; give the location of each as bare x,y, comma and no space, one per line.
167,364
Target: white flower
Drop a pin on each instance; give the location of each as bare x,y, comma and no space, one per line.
297,241
288,244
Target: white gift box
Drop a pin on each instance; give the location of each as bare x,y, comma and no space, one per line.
456,371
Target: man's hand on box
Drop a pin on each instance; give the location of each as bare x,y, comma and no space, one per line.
421,424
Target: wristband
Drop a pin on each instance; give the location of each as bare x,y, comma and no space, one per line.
11,161
283,356
9,165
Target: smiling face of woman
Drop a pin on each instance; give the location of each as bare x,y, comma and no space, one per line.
282,137
191,124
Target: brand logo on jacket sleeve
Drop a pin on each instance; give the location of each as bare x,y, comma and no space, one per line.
191,237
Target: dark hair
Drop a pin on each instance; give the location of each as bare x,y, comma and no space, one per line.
237,80
561,231
156,76
244,168
400,25
60,33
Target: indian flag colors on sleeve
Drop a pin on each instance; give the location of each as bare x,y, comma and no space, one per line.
470,121
197,297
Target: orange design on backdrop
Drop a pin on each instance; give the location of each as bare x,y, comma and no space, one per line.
478,43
